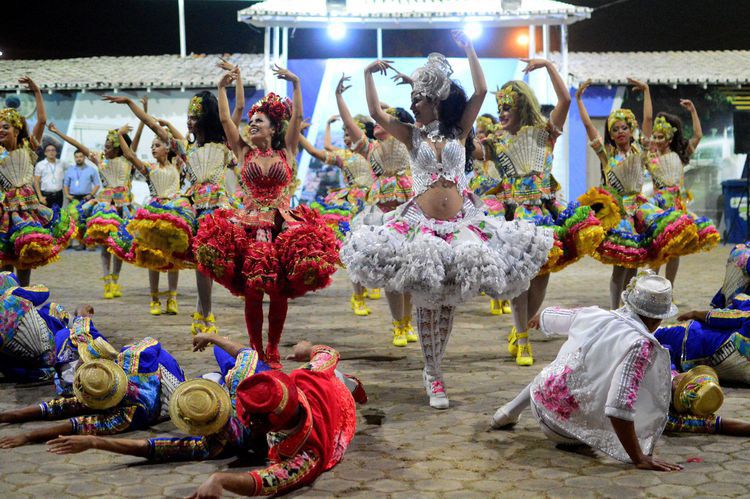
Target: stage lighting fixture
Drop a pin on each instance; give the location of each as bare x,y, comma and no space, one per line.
522,39
473,30
337,31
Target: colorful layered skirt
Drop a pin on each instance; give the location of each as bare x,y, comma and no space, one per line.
339,207
249,252
31,235
639,232
674,197
159,236
447,261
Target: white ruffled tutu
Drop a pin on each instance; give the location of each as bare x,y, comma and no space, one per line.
445,262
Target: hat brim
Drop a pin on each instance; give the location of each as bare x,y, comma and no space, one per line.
191,427
108,353
110,400
671,313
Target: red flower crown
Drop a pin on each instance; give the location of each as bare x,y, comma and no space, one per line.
275,107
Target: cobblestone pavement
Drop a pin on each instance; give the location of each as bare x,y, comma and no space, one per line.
417,451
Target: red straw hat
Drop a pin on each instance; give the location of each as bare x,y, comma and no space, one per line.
270,393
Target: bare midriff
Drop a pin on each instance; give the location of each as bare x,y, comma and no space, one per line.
441,200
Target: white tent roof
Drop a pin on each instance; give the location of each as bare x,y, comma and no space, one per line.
152,71
411,14
718,67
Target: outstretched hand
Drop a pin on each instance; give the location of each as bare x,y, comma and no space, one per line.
305,124
688,104
637,84
11,441
534,321
401,78
582,88
534,64
227,78
650,463
144,102
693,315
125,129
301,351
30,84
341,86
333,119
284,74
70,444
52,128
201,341
115,99
379,66
226,65
461,38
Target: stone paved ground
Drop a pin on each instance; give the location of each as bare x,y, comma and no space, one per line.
417,452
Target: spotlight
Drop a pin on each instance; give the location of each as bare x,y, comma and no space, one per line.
337,31
522,39
473,30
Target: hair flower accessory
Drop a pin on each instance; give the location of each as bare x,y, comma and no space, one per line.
274,106
114,137
433,79
625,115
661,125
506,96
196,106
11,116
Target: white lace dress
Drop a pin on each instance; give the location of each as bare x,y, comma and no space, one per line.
444,262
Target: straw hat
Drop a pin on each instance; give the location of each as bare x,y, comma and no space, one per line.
100,384
97,349
200,407
270,393
698,392
650,295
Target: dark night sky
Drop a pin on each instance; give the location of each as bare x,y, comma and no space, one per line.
55,29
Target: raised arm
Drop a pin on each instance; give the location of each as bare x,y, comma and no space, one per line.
391,124
139,130
560,113
295,122
648,110
327,144
355,133
146,118
480,85
128,152
313,151
239,89
41,112
172,129
697,130
230,128
201,341
73,142
591,131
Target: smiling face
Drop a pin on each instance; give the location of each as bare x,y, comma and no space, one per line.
380,133
260,129
159,150
621,134
192,122
109,149
347,138
510,118
8,135
424,110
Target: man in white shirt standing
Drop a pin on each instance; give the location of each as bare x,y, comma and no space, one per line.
48,177
610,385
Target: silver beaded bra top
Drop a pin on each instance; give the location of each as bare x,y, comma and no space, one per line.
425,168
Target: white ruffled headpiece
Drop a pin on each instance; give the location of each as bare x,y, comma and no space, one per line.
433,79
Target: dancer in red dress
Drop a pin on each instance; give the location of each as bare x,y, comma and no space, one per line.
265,247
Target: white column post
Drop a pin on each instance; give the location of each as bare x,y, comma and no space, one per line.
564,52
276,56
183,43
532,41
267,81
380,42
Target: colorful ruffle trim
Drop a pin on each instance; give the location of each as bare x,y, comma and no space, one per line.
300,259
30,244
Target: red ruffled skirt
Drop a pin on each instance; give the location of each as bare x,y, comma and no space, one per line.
288,258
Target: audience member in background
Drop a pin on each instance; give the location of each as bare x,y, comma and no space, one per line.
81,182
48,177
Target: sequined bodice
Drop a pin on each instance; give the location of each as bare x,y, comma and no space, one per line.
164,181
389,157
207,163
115,172
667,169
16,167
425,168
265,186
